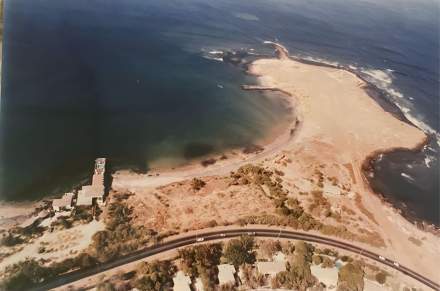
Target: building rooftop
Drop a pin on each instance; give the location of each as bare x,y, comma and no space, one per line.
100,165
181,282
270,268
279,257
327,276
64,201
226,274
199,285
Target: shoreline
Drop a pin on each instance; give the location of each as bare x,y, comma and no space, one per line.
273,141
404,212
379,96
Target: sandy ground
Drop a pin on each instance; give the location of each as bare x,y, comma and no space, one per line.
59,245
13,213
338,127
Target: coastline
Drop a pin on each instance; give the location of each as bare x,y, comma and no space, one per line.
336,132
271,143
328,135
379,96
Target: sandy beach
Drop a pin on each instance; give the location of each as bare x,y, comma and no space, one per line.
339,126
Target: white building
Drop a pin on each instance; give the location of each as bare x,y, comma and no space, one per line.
279,257
96,191
63,202
89,193
181,282
270,268
199,285
226,274
327,276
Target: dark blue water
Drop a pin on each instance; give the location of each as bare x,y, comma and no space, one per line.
127,79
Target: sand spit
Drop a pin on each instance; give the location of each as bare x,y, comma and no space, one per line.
338,126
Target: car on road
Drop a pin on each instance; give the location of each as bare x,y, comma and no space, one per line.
381,258
251,233
223,234
396,264
200,239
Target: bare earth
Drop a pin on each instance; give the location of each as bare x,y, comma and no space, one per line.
338,127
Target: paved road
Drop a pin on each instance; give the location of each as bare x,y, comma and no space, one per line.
215,235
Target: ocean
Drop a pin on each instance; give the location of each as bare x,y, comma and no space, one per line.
139,82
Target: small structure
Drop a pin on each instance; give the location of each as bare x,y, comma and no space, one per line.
279,257
31,220
327,276
95,192
181,282
226,274
89,193
270,268
199,285
64,202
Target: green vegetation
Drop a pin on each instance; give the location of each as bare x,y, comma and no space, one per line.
381,277
252,279
157,275
10,240
23,275
289,211
201,261
240,251
120,236
298,275
351,277
268,248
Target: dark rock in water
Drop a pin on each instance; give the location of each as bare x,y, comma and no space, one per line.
208,162
197,149
253,148
235,57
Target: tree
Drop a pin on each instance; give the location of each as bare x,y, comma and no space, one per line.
25,274
381,277
240,251
298,276
197,184
105,286
351,277
157,275
268,248
201,261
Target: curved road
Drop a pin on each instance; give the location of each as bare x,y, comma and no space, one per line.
216,235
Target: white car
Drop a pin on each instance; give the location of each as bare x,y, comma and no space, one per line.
382,258
251,233
223,234
200,239
396,264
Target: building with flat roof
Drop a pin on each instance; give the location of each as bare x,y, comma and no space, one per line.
181,282
270,268
90,193
95,192
226,274
65,202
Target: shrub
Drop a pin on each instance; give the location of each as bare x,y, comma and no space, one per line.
10,240
269,247
240,251
351,277
201,261
317,260
381,277
197,184
299,275
25,274
157,275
